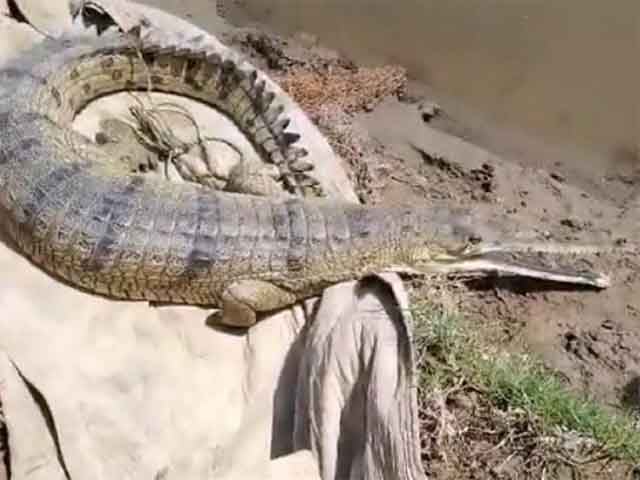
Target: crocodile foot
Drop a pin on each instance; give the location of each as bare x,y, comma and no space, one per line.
118,141
244,299
196,166
254,178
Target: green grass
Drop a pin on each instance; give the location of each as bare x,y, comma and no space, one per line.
515,381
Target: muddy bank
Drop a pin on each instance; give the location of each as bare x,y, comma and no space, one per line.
549,84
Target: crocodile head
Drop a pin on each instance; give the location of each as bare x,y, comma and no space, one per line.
460,247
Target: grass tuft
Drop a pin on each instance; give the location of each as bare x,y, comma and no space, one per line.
449,350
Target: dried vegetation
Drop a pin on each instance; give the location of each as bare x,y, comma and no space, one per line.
332,91
348,90
488,414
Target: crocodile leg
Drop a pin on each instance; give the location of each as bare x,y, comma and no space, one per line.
277,150
118,141
193,162
241,300
253,178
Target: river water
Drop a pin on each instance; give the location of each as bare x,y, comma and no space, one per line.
566,72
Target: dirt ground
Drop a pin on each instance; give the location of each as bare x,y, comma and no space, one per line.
592,338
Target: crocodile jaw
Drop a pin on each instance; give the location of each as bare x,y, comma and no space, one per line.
483,266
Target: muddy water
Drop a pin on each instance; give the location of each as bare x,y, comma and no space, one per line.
566,72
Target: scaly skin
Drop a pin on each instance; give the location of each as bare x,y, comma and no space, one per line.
126,236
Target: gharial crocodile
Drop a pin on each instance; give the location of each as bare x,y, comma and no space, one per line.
130,236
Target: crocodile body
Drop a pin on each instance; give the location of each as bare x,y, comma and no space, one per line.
129,236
